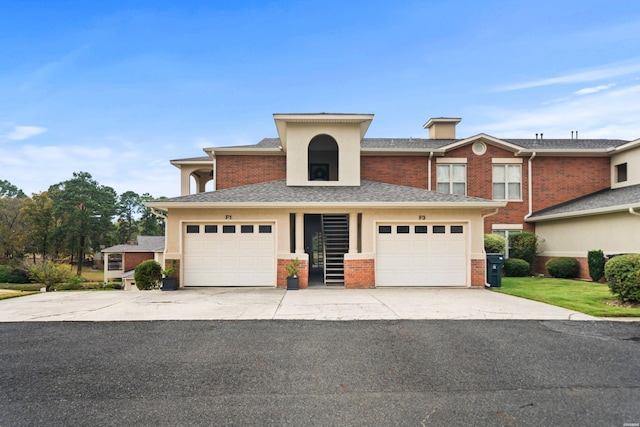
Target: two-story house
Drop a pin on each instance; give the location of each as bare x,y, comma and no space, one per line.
365,212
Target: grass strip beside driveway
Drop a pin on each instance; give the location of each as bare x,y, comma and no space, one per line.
586,297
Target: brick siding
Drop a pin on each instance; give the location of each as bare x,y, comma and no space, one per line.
478,272
559,179
359,273
132,259
398,170
234,171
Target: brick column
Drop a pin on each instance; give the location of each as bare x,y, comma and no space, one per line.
359,273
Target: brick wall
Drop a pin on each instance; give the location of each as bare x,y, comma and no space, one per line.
303,275
234,171
359,273
132,259
399,170
559,179
478,272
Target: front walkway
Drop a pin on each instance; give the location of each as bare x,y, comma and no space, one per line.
276,303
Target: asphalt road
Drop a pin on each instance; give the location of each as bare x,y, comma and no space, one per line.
308,373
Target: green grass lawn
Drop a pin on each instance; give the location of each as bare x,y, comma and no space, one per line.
585,297
7,295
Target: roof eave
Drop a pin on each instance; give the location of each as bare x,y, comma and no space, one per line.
284,205
402,151
566,152
582,213
250,151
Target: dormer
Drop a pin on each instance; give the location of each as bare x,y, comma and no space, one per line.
322,149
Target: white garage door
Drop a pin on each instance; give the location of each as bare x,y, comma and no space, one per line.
421,255
229,255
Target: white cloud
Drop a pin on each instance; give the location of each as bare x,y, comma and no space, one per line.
34,168
605,114
595,74
20,133
590,90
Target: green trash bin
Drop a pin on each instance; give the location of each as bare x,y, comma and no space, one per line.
494,270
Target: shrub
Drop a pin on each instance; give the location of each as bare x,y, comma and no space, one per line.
147,275
524,246
515,267
563,267
596,264
74,283
13,275
494,244
49,273
623,277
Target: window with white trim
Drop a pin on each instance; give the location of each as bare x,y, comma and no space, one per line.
507,182
451,179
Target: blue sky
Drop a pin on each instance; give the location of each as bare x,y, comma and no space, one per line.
119,88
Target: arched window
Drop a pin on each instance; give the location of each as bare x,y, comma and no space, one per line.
323,159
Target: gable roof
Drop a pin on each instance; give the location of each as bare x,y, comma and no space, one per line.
145,244
604,201
369,193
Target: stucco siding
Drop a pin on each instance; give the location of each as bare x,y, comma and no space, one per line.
612,233
632,159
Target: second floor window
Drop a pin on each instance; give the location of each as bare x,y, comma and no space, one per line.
452,179
507,182
114,262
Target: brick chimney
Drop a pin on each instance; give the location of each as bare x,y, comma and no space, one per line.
442,127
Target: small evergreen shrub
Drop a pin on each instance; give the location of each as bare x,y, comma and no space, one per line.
563,267
147,275
515,267
596,262
524,246
13,275
623,277
494,244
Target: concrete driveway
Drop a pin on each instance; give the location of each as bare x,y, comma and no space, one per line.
272,303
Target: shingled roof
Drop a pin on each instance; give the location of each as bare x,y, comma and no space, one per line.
369,192
604,201
435,144
144,244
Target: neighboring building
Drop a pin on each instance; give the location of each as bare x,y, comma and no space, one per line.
121,260
363,212
608,219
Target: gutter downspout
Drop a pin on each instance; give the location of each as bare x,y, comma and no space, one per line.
530,184
632,211
429,171
215,174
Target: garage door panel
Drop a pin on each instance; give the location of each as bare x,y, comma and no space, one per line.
229,259
422,259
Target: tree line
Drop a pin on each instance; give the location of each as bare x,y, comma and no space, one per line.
72,220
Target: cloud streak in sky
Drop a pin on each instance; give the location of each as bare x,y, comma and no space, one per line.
606,72
20,133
